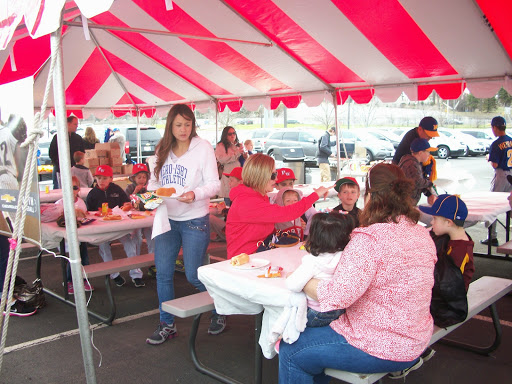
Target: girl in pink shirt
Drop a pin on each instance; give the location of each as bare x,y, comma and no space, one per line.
384,281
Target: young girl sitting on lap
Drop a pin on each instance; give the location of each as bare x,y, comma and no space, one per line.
328,236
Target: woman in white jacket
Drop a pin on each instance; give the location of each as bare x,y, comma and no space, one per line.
187,163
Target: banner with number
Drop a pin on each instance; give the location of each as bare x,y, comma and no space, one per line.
16,120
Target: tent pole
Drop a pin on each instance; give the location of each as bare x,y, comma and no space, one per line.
335,104
216,121
69,208
139,152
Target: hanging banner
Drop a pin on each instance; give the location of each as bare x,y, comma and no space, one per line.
16,120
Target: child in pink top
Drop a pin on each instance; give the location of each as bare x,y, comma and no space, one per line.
328,236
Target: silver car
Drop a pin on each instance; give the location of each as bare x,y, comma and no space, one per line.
376,149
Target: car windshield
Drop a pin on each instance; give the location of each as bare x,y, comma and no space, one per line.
145,134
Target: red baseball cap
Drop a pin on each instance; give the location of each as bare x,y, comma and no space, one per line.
138,168
104,170
236,172
285,174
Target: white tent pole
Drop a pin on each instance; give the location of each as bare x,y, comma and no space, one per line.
69,208
216,121
335,104
139,152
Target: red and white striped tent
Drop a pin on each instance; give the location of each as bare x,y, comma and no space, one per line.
144,55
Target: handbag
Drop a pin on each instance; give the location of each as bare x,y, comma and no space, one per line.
30,295
278,239
220,169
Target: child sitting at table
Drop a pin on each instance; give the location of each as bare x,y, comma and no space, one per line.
140,178
348,193
454,268
81,211
81,171
285,197
106,191
286,179
328,236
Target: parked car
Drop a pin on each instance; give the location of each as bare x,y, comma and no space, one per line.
258,138
284,138
376,149
473,146
245,121
483,137
149,138
292,122
446,146
382,134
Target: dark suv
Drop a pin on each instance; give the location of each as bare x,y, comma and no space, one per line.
284,138
149,138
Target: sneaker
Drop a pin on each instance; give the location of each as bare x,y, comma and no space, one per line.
428,354
71,290
152,271
21,310
162,333
88,287
406,371
138,282
120,281
494,242
217,324
180,267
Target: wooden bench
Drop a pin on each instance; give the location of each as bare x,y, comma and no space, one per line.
108,267
483,293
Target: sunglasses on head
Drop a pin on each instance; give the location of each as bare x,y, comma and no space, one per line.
75,188
273,176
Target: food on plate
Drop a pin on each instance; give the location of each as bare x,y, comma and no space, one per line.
112,217
165,191
126,207
138,216
240,259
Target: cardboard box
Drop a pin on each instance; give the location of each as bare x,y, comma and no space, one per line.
114,145
104,160
102,146
127,169
91,162
90,154
116,161
116,170
101,152
115,152
93,170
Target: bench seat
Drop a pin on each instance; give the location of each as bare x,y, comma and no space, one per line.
505,248
482,293
119,265
189,305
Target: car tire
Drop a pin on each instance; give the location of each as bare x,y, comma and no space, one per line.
369,156
466,152
443,152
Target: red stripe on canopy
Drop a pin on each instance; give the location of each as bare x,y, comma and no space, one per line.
445,91
32,53
360,96
159,55
126,100
88,81
141,79
234,106
404,43
276,24
498,13
288,101
223,55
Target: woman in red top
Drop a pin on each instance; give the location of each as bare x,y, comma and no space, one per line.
384,281
251,217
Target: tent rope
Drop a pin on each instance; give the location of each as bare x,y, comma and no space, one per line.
32,142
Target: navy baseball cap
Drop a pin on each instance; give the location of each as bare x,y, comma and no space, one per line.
449,206
429,125
418,145
498,121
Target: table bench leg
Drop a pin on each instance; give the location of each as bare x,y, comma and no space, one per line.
481,350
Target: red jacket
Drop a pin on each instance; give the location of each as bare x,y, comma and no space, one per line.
251,218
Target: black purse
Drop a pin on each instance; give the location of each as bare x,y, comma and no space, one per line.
278,239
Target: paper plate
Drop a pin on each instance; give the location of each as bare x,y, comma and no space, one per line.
172,197
253,264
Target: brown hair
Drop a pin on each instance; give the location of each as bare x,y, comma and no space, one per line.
75,180
389,196
257,172
224,137
78,156
168,141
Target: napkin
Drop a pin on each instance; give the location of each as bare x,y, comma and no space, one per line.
161,222
292,320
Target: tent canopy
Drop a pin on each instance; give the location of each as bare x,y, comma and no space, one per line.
144,55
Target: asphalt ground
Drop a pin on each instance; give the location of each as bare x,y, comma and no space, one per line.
45,348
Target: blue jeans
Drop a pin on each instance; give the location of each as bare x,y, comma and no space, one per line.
322,319
194,236
318,348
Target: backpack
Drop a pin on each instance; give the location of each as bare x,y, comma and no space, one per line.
449,303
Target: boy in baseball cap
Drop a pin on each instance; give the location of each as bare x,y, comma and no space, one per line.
285,178
412,166
348,193
106,191
452,242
